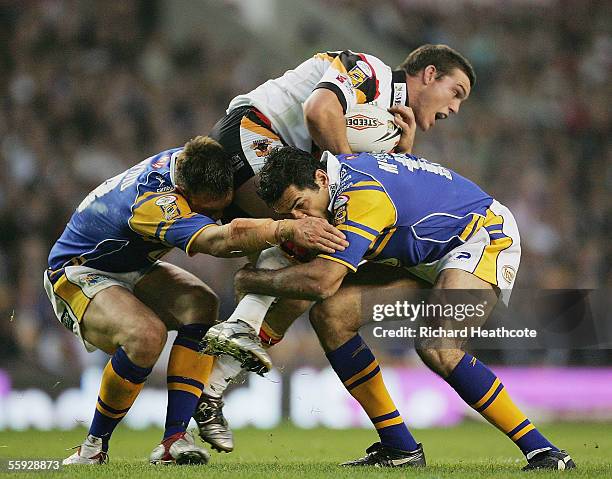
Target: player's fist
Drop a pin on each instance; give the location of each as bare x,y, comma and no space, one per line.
312,233
404,118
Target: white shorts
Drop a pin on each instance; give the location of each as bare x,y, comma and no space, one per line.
71,290
492,254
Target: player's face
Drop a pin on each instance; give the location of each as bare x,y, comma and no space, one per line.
299,203
209,205
440,97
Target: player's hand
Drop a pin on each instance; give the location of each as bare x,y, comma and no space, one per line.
404,118
315,233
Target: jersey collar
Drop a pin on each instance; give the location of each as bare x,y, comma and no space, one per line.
173,166
400,88
333,174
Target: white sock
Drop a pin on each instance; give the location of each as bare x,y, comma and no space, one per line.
224,371
252,308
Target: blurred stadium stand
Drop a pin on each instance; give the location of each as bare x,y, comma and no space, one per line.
92,87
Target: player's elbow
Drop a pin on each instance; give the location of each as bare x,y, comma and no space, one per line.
318,112
313,113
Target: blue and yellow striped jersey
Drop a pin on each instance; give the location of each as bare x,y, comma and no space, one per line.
130,221
400,209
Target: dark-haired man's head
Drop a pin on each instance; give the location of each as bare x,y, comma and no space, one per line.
204,176
439,79
294,183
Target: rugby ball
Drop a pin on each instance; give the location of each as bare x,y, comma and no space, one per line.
371,129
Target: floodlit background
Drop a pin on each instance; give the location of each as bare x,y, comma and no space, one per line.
90,88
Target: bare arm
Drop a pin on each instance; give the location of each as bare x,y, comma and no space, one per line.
315,281
247,235
325,121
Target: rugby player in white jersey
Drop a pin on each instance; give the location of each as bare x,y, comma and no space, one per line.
305,108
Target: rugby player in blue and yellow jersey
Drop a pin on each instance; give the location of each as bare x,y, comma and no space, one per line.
107,284
411,213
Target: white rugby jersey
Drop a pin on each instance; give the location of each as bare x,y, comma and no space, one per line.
355,78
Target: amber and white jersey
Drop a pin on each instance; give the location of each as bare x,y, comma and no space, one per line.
355,78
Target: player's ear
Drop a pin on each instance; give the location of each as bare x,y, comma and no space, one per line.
321,178
429,74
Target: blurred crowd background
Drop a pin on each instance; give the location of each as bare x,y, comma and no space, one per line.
92,87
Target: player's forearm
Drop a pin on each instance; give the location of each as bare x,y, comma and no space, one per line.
330,138
327,127
295,282
243,236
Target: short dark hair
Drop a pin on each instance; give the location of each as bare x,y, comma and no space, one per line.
286,166
443,57
204,167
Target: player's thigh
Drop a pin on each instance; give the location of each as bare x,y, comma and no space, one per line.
177,296
462,290
247,199
458,286
115,317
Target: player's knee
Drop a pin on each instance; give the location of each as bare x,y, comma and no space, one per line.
440,361
202,306
332,324
145,340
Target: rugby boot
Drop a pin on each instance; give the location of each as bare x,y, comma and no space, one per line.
90,452
557,460
379,455
180,448
212,425
239,340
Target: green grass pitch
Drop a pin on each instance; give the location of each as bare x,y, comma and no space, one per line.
472,450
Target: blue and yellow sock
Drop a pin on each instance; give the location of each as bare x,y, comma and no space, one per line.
188,371
122,380
482,390
360,373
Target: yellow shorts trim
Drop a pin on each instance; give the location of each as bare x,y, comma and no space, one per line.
73,296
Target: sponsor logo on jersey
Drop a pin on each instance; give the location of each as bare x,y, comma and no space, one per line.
389,261
341,79
365,68
237,163
508,273
399,93
91,279
161,162
357,75
67,320
168,206
340,215
340,201
362,122
463,255
262,146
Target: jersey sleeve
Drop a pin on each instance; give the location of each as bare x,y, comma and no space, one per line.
350,76
167,218
361,212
